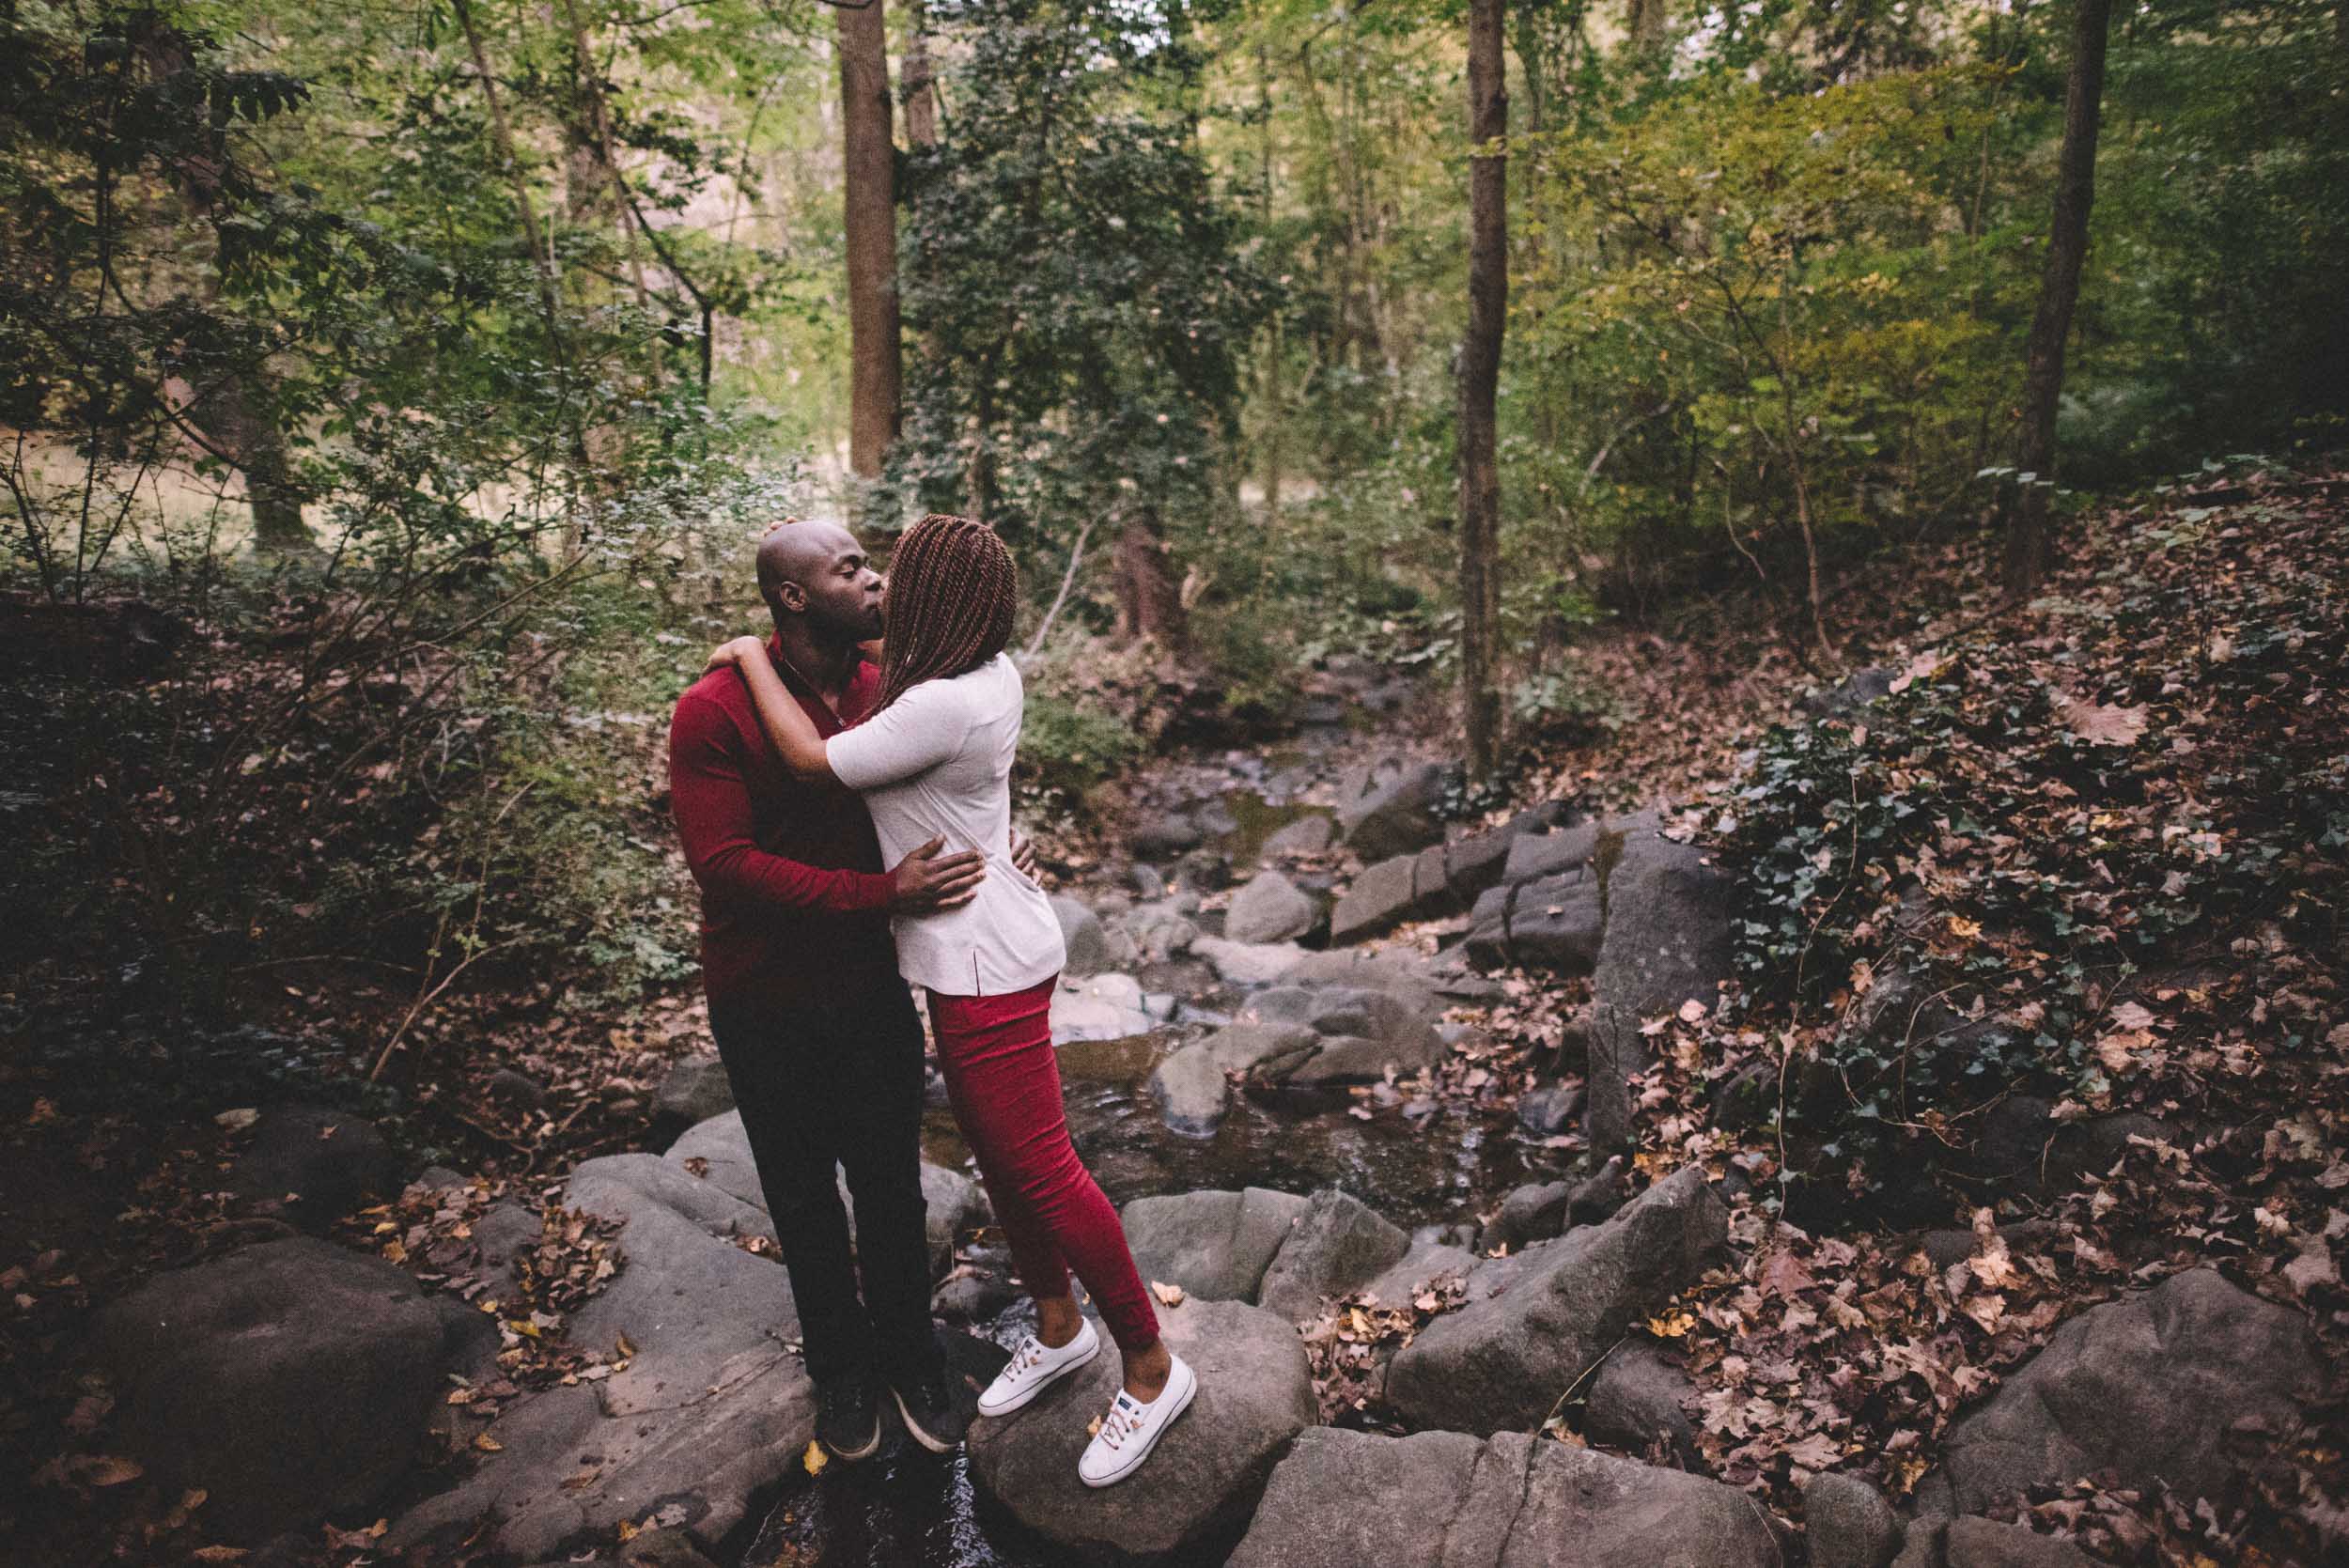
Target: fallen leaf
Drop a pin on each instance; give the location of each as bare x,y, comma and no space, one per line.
2105,723
815,1459
1671,1325
488,1444
1169,1295
238,1119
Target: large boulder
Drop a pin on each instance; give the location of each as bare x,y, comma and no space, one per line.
1972,1542
288,1380
712,1409
1309,834
309,1167
1083,935
719,1149
1637,1403
2147,1387
690,1093
1333,1246
1382,896
1255,1394
1389,808
1270,908
1359,1032
1215,1245
1190,1085
1667,941
1847,1523
1163,836
1517,1501
1502,1362
1429,1260
1247,964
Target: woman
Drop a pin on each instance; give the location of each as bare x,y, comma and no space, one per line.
934,759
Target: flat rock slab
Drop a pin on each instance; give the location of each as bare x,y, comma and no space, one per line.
288,1380
2147,1387
1501,1362
713,1408
1255,1394
1443,1497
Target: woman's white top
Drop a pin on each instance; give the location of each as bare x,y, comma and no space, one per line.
937,762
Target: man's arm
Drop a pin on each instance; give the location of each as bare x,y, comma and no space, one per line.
711,802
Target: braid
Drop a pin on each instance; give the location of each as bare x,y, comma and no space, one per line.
953,589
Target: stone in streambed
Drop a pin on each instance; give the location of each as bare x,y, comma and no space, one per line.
1311,834
1247,963
288,1380
1215,1245
1503,1362
1255,1395
1636,1403
1847,1523
1270,908
1334,1246
1666,942
309,1167
1100,1007
1389,809
1189,1089
1517,1501
1082,935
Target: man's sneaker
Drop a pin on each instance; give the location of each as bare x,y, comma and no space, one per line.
937,1410
1035,1367
1132,1429
847,1417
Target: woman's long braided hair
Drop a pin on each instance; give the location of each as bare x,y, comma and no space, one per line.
953,589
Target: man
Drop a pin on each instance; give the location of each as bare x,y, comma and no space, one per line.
816,1029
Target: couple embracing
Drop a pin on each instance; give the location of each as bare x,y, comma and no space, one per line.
798,770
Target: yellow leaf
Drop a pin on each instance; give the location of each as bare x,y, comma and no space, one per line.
624,1348
815,1458
1672,1325
488,1444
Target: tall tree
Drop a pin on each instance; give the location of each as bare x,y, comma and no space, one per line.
1480,383
2058,292
870,198
919,79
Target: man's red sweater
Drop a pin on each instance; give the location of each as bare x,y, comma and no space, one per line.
794,899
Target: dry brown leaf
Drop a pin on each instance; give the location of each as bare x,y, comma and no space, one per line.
1169,1295
2105,723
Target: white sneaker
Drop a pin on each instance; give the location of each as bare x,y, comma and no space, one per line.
1035,1367
1132,1429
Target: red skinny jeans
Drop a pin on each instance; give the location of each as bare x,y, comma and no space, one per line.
1004,1079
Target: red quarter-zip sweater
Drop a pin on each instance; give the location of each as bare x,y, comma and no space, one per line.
794,899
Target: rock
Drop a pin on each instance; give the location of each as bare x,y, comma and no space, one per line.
1746,1098
290,1380
1536,1212
1358,1034
505,1230
1081,933
1533,855
1430,982
1270,908
439,1178
1215,1245
1381,896
952,1201
1853,693
2147,1387
1309,834
1389,809
1335,1246
709,1321
1946,1248
1503,1362
693,1091
1597,1196
516,1088
1205,870
1635,1404
1430,1259
1161,931
1667,941
1163,836
1847,1523
1255,1395
1443,1497
1102,1007
2021,1141
1986,1544
976,1296
1547,1110
1146,881
309,1167
1248,963
1554,923
1189,1089
1476,862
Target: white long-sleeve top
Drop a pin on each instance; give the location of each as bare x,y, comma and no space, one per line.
937,762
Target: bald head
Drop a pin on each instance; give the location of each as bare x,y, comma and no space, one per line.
815,575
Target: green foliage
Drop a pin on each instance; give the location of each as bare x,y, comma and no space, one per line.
1069,746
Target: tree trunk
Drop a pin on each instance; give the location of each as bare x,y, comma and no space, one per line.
920,79
1275,418
2058,292
1149,602
1479,382
869,181
232,405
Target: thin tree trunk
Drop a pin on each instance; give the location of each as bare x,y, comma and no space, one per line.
231,404
1150,601
920,79
1274,418
869,181
1479,382
2027,542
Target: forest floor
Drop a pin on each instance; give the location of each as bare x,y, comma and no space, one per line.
2197,635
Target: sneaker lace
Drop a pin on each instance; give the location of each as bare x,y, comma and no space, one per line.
1029,1355
1122,1422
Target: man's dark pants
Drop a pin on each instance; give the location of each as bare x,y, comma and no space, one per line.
824,1083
